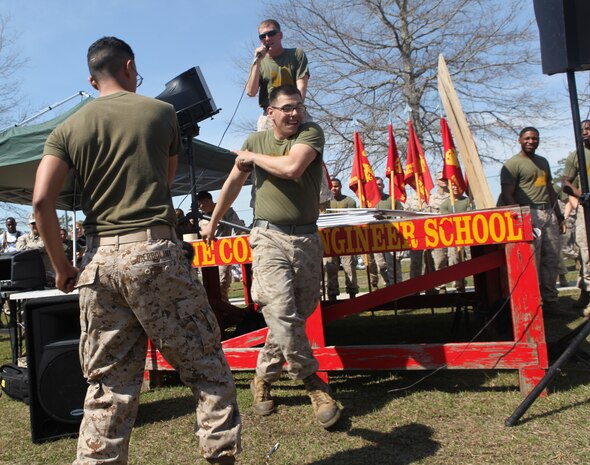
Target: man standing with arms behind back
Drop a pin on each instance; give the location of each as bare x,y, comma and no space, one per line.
286,247
134,282
526,181
348,262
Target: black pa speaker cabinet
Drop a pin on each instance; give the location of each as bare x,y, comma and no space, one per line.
57,387
20,271
565,34
190,96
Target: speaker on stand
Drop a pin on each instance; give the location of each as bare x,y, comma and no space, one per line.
57,387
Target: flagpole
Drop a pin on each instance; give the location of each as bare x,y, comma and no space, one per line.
418,191
392,183
452,194
362,198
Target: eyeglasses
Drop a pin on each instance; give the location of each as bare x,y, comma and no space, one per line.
288,109
268,34
138,79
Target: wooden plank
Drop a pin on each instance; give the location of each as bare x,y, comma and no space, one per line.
475,355
463,138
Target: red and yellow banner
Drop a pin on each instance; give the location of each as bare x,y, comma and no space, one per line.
362,180
394,171
429,232
451,168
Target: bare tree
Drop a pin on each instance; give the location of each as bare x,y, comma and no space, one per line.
373,61
11,61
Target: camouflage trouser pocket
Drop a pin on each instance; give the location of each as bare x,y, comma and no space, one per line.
87,277
200,323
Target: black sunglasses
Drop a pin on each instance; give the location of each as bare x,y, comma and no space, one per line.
267,34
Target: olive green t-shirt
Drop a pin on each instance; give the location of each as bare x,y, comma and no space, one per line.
461,205
531,177
286,68
570,169
119,147
385,203
344,202
288,201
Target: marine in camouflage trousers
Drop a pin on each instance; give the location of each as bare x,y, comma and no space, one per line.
332,267
286,284
130,292
547,250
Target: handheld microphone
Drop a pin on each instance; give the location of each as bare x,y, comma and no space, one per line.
259,54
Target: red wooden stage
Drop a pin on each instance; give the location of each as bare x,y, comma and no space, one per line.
502,265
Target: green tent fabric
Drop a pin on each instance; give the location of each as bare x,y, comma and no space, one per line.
21,149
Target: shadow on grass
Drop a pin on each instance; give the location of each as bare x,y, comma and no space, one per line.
166,409
404,445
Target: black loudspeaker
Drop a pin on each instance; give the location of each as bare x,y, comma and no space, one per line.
191,98
20,271
57,387
564,34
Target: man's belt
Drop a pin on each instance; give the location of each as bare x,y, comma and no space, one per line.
292,229
540,206
159,232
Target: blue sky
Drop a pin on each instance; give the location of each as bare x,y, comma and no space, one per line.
169,38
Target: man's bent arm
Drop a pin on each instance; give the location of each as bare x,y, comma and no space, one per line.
290,166
253,83
508,194
302,86
49,180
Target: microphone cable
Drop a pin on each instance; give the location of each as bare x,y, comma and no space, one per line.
234,113
241,97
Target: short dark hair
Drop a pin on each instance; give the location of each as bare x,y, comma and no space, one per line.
332,179
10,218
107,55
273,22
202,195
527,129
287,89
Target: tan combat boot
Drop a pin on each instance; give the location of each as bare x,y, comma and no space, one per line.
262,403
325,408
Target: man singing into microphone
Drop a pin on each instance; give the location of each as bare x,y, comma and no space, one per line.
275,66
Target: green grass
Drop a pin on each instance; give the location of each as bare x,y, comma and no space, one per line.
394,417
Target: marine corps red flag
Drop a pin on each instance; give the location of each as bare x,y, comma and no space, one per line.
451,169
394,171
362,179
417,174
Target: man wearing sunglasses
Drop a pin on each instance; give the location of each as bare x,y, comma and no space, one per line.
275,66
